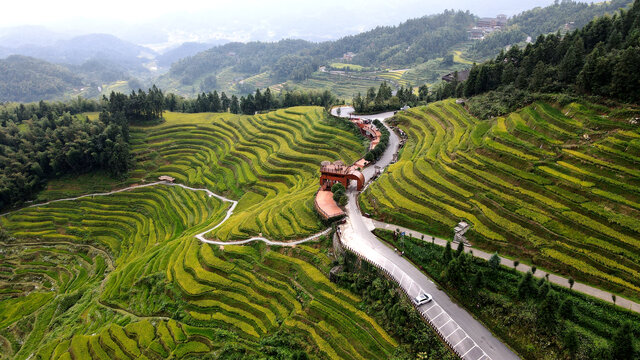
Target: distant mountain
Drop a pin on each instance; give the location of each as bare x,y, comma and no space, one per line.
19,36
80,49
244,58
185,50
27,79
100,71
412,42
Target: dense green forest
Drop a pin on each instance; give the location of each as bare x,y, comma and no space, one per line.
51,144
600,59
27,79
544,20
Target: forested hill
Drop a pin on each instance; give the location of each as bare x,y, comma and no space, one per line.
563,15
412,42
407,45
27,79
244,58
600,59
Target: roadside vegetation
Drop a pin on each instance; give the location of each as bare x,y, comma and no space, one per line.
536,318
382,297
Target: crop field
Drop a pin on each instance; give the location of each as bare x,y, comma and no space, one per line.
344,87
268,162
395,76
122,277
532,185
343,66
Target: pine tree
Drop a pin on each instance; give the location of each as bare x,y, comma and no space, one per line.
526,286
622,346
494,261
447,254
460,249
571,342
234,107
548,312
567,309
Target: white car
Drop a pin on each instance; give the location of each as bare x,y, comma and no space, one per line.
422,299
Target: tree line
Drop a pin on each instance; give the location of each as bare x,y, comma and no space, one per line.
384,100
600,59
42,141
250,104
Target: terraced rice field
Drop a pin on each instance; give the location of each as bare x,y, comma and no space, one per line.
394,76
122,277
530,183
268,162
344,87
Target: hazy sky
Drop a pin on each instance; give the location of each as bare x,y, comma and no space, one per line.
131,11
160,21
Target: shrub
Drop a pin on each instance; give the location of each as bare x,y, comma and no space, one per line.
336,187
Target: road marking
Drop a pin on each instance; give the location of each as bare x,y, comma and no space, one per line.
442,312
474,346
448,321
458,343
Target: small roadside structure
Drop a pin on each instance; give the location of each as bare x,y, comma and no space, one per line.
405,108
338,172
166,178
326,206
459,232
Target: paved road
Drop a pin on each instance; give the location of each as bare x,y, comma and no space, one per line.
467,336
556,279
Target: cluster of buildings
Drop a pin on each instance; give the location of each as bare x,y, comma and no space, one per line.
485,26
338,172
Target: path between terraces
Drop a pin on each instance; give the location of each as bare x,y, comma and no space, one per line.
466,335
556,279
201,235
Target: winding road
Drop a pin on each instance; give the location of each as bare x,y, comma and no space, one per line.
466,335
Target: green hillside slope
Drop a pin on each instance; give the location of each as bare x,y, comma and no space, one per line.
268,162
557,186
122,276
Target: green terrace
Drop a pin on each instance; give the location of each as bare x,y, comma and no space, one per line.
556,186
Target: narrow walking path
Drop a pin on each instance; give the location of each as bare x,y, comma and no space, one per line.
201,235
556,279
